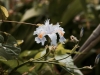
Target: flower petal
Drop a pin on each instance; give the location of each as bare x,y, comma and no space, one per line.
41,35
42,40
53,38
38,30
47,22
48,27
50,30
59,30
62,39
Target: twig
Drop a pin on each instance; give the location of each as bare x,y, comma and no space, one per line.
18,22
72,51
33,61
14,69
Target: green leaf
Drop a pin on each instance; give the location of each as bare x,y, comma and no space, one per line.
68,61
4,54
10,44
32,13
39,56
19,42
13,63
46,70
61,50
43,53
29,53
2,58
74,8
4,12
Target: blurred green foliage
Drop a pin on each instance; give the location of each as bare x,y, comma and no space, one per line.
71,14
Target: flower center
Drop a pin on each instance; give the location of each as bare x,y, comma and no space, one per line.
41,35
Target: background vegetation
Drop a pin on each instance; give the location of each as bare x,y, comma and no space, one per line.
71,14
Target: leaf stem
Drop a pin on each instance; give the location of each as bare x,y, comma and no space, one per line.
35,61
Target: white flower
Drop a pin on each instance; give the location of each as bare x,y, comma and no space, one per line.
50,30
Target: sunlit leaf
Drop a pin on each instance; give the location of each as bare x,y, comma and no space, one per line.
67,62
40,54
2,58
29,53
33,12
37,56
4,11
61,50
74,49
19,42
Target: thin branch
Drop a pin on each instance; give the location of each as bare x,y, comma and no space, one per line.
72,51
35,61
19,22
62,58
14,69
29,61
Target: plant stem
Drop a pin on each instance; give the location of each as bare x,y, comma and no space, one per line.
33,61
18,22
14,69
63,58
72,51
